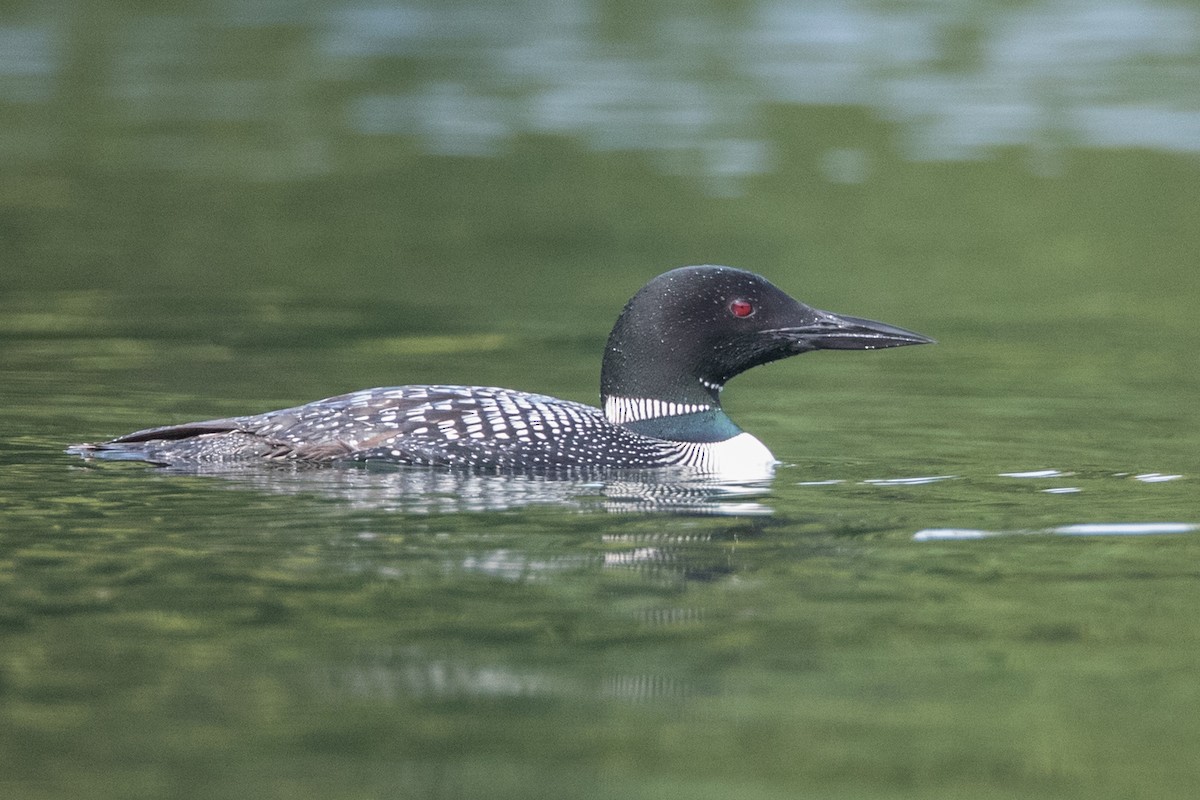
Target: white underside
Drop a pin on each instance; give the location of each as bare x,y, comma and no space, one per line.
741,458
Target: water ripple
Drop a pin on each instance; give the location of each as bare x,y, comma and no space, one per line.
1079,529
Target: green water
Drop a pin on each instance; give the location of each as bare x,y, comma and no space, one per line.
210,210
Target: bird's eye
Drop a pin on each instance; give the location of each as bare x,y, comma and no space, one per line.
741,308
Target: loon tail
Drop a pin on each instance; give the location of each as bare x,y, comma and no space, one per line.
213,440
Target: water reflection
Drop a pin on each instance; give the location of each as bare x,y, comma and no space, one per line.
396,675
388,675
418,490
693,86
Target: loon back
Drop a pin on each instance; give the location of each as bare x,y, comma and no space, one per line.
673,348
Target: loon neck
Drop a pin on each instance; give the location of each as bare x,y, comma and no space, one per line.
651,362
678,422
634,389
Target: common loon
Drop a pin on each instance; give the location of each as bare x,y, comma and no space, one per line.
673,348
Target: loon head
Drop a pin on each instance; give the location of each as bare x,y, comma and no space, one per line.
688,331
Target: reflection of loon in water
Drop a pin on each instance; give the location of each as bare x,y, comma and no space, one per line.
424,490
390,675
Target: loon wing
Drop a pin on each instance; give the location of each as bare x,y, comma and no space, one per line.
176,432
210,440
405,424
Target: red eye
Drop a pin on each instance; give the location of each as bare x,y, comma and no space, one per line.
741,308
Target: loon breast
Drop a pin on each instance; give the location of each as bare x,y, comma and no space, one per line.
742,455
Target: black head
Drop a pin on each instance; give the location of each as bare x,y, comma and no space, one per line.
690,330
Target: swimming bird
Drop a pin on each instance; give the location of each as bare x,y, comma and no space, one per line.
676,344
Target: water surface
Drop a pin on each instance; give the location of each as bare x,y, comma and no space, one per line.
974,574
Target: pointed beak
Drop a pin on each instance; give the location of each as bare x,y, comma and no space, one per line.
839,332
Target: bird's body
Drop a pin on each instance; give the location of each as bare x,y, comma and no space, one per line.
673,348
458,426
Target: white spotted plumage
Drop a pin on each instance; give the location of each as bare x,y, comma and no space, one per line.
465,426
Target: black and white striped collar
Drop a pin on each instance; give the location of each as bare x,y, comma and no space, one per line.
620,410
